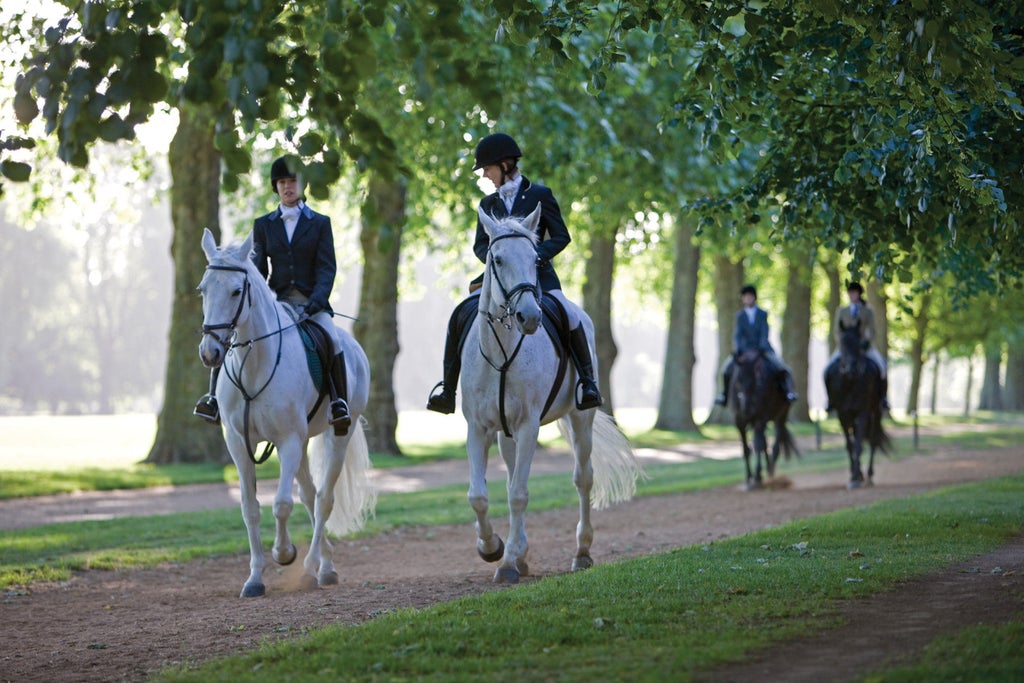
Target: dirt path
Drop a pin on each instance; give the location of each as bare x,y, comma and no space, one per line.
105,626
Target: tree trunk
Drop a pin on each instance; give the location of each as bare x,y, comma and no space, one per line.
1013,393
917,356
936,369
195,203
597,302
835,300
991,389
970,385
675,406
880,303
796,329
728,282
382,223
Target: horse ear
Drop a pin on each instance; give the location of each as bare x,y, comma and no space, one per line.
533,220
246,249
487,221
209,244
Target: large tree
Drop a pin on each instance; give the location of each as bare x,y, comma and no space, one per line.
232,72
901,109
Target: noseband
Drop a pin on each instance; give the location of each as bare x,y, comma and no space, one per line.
513,295
246,295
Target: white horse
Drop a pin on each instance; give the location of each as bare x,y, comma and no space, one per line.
510,366
266,393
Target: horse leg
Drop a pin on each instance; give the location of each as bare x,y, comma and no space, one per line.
513,564
254,586
581,427
760,449
489,545
749,482
319,502
290,452
856,448
773,457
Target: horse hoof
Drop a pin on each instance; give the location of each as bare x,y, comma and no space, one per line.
287,557
853,485
522,567
752,485
582,562
495,555
253,590
506,575
329,578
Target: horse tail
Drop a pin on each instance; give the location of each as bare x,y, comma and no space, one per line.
616,468
878,438
355,499
786,442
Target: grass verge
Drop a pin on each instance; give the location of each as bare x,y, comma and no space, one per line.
661,617
52,552
59,461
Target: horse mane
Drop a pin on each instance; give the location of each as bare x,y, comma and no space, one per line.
514,225
237,255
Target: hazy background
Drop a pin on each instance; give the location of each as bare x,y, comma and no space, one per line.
94,276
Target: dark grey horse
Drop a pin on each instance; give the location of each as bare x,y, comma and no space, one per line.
756,397
854,386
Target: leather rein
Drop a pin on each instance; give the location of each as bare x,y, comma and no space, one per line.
230,344
512,297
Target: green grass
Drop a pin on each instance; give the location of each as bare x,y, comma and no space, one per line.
661,617
52,552
48,455
980,654
59,454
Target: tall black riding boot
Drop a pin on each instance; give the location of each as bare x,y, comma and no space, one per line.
787,386
443,401
885,395
829,373
207,407
579,349
723,397
340,417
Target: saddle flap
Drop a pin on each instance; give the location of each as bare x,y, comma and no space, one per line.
556,323
319,351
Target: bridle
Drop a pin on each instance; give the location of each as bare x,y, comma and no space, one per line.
512,297
850,355
230,344
230,326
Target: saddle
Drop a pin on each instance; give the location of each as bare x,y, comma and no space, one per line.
555,321
319,348
556,324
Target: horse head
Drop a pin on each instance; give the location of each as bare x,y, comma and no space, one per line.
226,289
511,293
748,378
850,350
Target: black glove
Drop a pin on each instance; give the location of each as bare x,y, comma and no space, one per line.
865,345
313,307
541,262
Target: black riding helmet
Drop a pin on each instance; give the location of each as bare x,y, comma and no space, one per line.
284,167
749,289
855,287
494,148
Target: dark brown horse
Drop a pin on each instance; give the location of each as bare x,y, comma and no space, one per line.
854,386
756,397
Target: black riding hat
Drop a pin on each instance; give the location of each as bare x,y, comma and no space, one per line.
855,287
494,148
283,167
749,289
